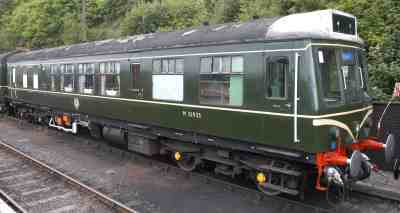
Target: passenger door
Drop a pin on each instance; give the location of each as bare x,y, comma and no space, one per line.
136,77
279,84
278,93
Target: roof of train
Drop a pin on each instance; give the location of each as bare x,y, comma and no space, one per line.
266,29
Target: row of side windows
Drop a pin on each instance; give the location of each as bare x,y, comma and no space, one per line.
220,83
62,77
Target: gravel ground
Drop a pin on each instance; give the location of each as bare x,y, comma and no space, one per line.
36,191
148,188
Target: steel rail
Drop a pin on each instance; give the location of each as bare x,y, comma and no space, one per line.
102,197
11,202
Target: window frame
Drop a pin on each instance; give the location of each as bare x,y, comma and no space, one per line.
109,68
63,72
83,71
363,68
35,73
55,78
329,101
25,79
19,76
13,77
45,80
161,62
275,59
221,73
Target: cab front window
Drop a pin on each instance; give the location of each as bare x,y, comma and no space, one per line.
352,80
342,74
327,66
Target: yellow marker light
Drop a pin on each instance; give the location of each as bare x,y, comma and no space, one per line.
261,178
178,156
66,119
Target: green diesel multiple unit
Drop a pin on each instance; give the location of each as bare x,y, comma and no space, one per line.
268,98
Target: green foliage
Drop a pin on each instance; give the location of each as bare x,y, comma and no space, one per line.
71,29
222,11
37,23
259,8
169,15
297,6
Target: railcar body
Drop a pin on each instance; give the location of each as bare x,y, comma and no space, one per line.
271,96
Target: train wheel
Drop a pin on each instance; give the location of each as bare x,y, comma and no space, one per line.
186,162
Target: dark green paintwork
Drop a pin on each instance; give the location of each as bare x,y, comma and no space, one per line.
264,129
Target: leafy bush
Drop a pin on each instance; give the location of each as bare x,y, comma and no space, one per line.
169,15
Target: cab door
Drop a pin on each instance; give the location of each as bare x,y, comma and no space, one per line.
279,90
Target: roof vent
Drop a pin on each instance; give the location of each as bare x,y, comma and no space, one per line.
188,33
219,28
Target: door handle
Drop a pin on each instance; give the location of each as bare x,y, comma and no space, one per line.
288,105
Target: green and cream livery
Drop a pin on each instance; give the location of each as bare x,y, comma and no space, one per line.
290,89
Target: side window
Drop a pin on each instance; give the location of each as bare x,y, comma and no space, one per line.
19,76
110,78
13,79
86,78
221,80
135,73
54,77
24,79
348,69
35,79
168,79
276,77
44,77
67,77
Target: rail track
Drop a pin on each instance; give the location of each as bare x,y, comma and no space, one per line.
207,177
32,186
12,205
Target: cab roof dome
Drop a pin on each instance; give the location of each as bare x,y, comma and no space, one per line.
311,25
